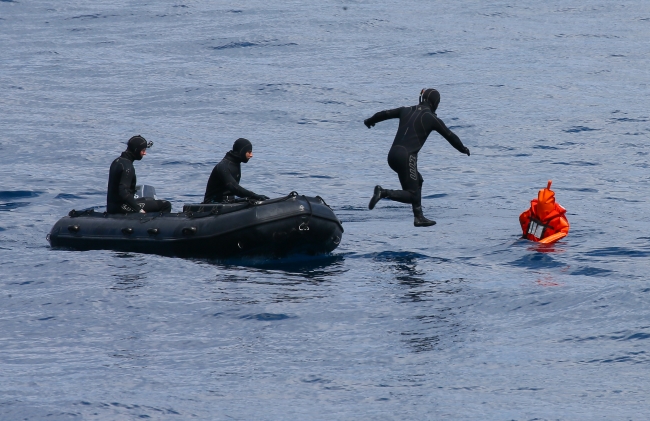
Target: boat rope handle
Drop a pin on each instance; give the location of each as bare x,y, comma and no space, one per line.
323,201
217,209
305,225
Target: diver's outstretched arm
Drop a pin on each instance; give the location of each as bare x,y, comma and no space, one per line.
381,116
451,137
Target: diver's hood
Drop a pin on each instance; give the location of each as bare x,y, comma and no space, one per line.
130,155
240,148
431,97
137,144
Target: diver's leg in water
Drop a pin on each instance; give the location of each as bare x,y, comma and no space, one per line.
418,217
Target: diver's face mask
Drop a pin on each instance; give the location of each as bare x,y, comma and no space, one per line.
142,152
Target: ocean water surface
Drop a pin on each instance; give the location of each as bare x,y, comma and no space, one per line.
461,321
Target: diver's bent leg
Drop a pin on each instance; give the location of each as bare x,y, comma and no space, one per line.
164,206
406,167
410,193
128,209
113,208
153,205
402,196
377,195
408,181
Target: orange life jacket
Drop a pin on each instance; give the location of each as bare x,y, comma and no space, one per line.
545,221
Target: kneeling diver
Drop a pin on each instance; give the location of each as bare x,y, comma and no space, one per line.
415,125
121,182
223,184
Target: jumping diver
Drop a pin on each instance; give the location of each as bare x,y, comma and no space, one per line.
415,125
223,184
122,181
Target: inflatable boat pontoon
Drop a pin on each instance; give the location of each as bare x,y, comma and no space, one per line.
281,226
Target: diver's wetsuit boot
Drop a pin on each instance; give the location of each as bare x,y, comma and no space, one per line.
376,197
419,220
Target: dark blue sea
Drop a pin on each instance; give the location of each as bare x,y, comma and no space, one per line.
461,321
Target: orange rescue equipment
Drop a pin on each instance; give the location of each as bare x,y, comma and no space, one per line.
545,221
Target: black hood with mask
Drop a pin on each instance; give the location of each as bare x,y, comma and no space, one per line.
431,97
137,144
240,148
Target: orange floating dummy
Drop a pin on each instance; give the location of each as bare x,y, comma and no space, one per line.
545,222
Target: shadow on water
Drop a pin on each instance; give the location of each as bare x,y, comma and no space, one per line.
10,200
404,265
409,272
428,300
307,266
68,196
538,256
536,261
130,277
254,280
8,207
19,194
266,317
401,256
129,282
541,256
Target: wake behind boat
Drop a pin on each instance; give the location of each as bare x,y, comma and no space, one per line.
281,226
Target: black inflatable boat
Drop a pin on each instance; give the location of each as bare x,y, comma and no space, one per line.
294,223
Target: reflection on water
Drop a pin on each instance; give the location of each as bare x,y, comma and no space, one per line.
406,272
547,280
132,275
127,282
432,299
266,317
292,279
310,267
546,248
537,261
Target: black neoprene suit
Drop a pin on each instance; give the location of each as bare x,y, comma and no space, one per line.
121,188
415,125
223,183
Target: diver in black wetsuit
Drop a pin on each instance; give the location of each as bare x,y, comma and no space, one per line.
223,184
415,125
122,180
